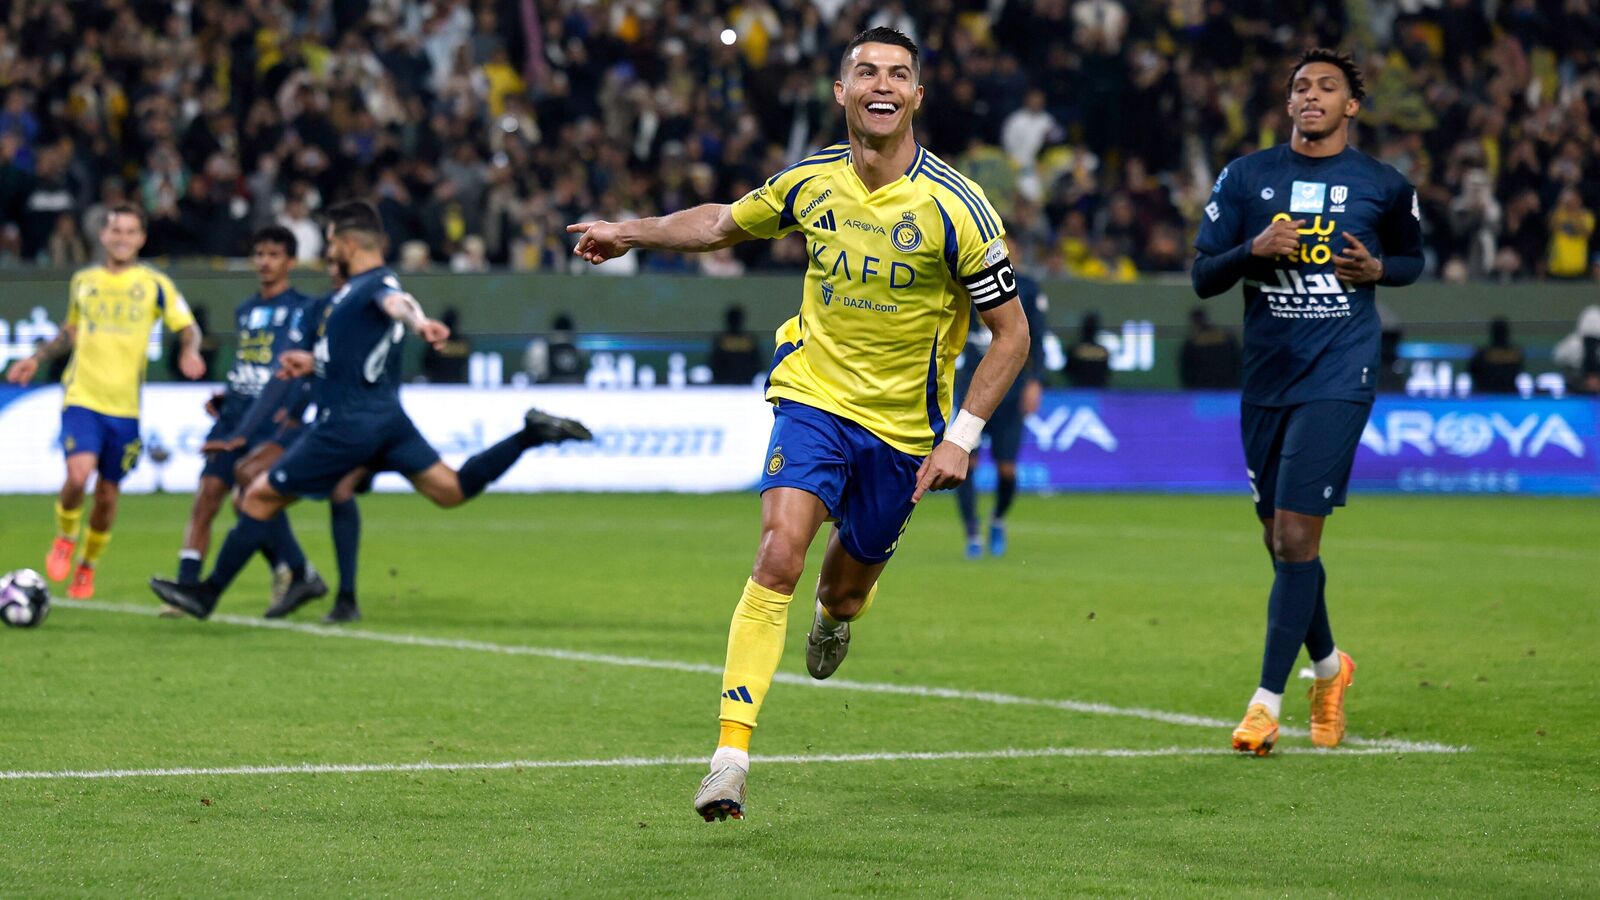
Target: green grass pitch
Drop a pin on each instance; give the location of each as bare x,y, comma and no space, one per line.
1475,624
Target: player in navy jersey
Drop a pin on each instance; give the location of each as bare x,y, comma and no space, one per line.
1311,228
1004,431
268,324
360,423
283,403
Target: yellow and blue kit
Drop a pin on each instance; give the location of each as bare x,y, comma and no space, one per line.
113,314
870,358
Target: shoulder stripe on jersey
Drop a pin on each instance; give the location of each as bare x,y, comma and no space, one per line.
986,228
786,218
816,159
161,297
962,186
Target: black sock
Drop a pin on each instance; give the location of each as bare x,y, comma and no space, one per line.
1289,611
346,526
479,471
1319,635
1003,494
247,535
281,544
967,502
189,569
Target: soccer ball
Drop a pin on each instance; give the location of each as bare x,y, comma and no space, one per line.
24,598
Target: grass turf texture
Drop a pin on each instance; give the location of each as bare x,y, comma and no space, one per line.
1474,621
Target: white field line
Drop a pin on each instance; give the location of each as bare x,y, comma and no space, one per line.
638,762
639,662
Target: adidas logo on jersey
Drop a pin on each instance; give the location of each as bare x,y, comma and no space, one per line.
825,222
738,695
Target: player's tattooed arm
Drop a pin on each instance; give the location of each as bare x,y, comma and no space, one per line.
23,370
709,226
402,307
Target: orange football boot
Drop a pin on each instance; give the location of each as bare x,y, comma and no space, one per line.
1327,704
58,562
1258,732
82,587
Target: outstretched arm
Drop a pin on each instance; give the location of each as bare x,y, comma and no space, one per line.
22,371
706,227
402,307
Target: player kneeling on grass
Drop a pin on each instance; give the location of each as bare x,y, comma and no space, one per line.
360,423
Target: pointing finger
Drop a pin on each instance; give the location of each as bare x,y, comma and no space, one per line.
924,478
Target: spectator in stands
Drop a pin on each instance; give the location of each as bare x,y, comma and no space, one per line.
509,119
1496,367
67,249
735,357
1210,358
296,217
1088,362
1571,228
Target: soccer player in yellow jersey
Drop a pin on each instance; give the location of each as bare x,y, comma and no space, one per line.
111,310
901,247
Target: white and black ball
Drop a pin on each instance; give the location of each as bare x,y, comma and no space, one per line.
24,598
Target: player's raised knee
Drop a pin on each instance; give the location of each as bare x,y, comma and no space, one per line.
842,602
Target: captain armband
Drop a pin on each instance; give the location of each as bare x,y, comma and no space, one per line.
992,286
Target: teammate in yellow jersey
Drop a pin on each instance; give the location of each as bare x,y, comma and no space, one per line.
111,310
901,247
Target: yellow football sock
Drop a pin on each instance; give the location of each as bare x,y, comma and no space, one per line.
68,521
94,543
755,643
735,735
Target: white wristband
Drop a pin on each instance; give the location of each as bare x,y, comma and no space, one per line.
966,431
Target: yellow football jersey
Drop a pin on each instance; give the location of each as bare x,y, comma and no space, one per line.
114,315
888,289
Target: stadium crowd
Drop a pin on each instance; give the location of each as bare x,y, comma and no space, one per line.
482,127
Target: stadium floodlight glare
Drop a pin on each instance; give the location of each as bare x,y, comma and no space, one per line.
729,36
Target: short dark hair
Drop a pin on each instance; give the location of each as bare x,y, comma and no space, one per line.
276,234
356,216
127,209
883,34
1342,61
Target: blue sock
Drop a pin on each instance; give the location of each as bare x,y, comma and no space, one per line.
283,546
1003,494
967,501
346,526
244,539
1319,636
1289,611
189,569
479,471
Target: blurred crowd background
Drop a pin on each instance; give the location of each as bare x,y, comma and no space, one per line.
482,127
